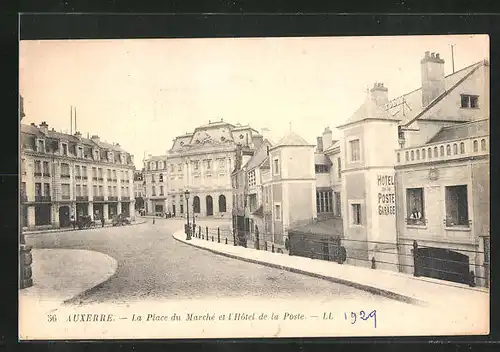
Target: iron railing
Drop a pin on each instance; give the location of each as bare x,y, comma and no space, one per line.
466,266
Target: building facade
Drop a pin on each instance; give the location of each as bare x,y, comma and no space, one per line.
201,162
139,189
66,175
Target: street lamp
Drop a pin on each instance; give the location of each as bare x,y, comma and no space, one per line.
188,229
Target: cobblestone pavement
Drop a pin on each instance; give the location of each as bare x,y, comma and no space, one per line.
152,265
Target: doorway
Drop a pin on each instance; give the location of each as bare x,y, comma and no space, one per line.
173,209
444,264
64,220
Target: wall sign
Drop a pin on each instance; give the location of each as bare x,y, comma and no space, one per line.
386,197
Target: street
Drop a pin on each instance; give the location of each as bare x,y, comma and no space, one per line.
152,265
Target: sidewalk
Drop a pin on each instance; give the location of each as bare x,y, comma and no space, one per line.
67,229
394,285
61,274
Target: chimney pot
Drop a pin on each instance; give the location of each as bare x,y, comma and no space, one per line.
437,55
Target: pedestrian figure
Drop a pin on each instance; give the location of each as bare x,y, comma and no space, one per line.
73,222
102,221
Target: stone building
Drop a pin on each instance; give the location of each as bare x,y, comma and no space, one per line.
201,162
139,189
66,175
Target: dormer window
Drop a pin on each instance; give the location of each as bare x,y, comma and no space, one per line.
41,146
65,149
469,101
96,155
110,156
79,152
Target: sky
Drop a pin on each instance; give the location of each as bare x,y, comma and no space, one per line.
142,93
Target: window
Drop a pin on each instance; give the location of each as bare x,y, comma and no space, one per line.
153,178
276,167
356,214
160,164
23,189
407,156
423,153
115,190
172,167
483,144
441,151
64,170
355,150
338,208
196,165
455,149
79,152
161,177
46,189
324,203
469,101
457,213
322,169
208,164
448,150
475,146
101,191
436,152
38,168
41,146
85,191
78,190
222,164
153,190
114,174
110,191
108,171
94,172
412,153
251,178
23,166
429,153
65,149
462,148
417,153
161,190
222,203
277,211
415,206
94,189
99,170
339,167
96,155
46,170
38,189
267,150
65,191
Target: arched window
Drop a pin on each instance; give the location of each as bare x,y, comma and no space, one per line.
418,154
441,151
406,156
196,204
222,204
455,149
475,144
436,152
483,144
210,205
429,152
423,153
462,148
448,150
412,155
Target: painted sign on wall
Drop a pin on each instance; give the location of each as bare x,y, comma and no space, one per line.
386,195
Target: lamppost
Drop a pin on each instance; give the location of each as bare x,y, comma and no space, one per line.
188,228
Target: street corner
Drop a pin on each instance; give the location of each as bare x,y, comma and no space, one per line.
62,274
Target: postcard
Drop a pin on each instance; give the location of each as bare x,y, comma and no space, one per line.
198,188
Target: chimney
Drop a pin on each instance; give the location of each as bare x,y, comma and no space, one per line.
78,135
379,94
319,145
327,138
33,124
432,69
95,137
44,127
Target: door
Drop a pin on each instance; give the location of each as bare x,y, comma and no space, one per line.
210,206
64,216
173,209
444,264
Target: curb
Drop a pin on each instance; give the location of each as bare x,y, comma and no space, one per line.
41,232
370,289
94,288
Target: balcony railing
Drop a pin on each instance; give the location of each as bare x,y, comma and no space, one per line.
94,178
65,175
82,198
84,177
78,177
38,174
112,198
125,198
101,179
460,148
98,198
46,174
42,199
